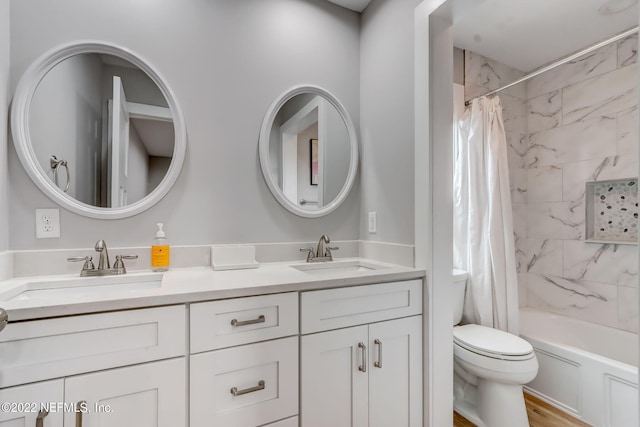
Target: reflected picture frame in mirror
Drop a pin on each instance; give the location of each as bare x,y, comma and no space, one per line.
267,165
20,128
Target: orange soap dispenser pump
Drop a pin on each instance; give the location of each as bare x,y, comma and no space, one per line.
160,251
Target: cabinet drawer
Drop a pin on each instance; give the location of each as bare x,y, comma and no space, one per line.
264,377
42,349
227,323
339,308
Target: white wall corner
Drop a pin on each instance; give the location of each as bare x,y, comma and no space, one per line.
433,221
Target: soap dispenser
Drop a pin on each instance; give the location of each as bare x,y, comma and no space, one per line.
160,251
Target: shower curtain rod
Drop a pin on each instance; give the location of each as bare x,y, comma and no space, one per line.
558,63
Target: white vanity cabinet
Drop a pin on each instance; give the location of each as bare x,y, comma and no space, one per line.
129,368
244,361
349,356
366,375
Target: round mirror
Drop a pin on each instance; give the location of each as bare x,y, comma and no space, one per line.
308,151
98,130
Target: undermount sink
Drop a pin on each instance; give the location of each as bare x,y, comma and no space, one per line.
79,286
336,267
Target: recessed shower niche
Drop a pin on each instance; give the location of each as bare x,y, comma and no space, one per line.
612,211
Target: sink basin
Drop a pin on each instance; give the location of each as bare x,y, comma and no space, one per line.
79,286
337,267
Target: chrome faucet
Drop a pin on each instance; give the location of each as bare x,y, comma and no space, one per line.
104,266
322,252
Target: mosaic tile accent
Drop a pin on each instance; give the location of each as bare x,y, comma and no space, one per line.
612,210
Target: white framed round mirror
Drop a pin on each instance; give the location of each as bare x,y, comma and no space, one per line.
308,151
98,129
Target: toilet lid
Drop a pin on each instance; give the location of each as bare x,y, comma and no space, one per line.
490,341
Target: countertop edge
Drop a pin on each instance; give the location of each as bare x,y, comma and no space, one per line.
191,296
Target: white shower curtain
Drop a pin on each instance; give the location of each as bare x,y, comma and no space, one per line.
483,224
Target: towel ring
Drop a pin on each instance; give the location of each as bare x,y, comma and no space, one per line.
55,164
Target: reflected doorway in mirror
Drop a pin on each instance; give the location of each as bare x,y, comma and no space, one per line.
313,144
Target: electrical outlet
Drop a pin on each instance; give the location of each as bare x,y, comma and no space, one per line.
373,222
47,223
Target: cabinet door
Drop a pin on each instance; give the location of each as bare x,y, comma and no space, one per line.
333,388
26,401
147,395
395,373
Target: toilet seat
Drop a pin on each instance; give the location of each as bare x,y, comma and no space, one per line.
493,343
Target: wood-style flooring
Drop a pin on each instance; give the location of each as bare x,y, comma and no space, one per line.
540,414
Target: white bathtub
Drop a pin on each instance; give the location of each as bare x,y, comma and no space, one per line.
587,370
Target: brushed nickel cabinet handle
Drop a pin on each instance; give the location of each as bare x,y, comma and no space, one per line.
236,392
236,322
365,362
40,418
378,363
79,406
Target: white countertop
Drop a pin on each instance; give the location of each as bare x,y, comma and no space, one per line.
193,284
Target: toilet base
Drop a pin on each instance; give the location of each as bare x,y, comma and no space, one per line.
501,405
468,411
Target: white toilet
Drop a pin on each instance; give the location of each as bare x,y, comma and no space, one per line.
490,367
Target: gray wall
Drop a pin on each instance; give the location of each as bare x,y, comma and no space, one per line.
65,108
138,87
387,124
138,167
158,167
336,154
458,66
4,82
226,61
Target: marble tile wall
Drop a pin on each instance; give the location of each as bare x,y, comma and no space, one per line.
580,124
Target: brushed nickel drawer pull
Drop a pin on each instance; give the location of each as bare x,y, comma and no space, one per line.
236,392
363,367
40,418
378,363
79,408
236,322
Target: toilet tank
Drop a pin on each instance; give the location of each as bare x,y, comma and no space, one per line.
459,286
